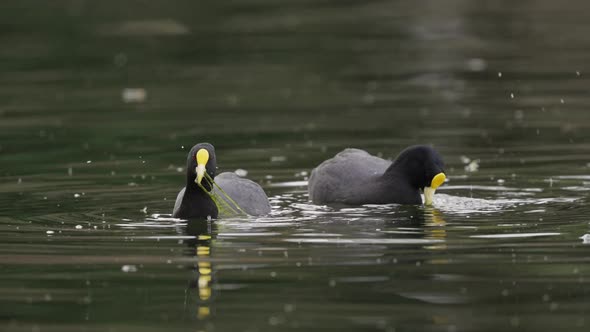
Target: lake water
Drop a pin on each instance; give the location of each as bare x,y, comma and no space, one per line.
101,101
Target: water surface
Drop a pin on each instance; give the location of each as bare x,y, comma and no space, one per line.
100,102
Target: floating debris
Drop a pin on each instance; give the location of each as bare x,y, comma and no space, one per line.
241,172
129,268
153,27
585,238
50,232
473,166
120,59
134,95
278,159
79,227
301,174
476,64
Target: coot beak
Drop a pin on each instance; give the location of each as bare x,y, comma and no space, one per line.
437,180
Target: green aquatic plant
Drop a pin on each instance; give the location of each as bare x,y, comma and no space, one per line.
225,204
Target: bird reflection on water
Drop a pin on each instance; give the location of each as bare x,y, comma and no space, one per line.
202,276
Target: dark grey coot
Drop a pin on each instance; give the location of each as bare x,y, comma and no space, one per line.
194,201
354,177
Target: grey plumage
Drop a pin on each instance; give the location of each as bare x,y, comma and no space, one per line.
249,196
346,177
178,201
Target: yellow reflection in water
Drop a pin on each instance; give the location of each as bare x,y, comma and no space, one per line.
203,312
436,230
205,278
203,251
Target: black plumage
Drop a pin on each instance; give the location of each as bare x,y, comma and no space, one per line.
196,201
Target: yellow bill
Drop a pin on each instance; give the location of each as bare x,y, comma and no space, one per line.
437,180
202,159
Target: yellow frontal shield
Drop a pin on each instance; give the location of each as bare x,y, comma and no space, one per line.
202,158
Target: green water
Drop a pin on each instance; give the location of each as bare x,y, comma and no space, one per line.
88,176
